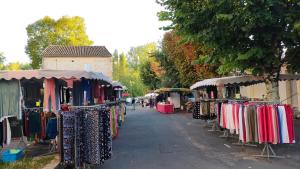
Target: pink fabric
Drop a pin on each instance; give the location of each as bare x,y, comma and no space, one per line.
96,92
236,116
70,83
270,125
262,124
224,115
290,123
101,99
49,93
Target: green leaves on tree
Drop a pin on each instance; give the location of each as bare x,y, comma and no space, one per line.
47,31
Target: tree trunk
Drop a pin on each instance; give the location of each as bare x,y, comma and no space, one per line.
272,87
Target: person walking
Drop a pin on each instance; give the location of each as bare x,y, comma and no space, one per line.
133,103
142,101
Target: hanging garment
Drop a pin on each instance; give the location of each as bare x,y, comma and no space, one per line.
32,92
252,122
50,96
86,136
270,124
241,127
25,119
15,126
283,125
43,125
1,134
7,130
262,124
196,112
102,96
290,123
51,129
96,92
34,123
77,93
87,88
10,98
275,125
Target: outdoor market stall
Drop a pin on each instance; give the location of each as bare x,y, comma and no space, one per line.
255,122
45,99
170,99
165,108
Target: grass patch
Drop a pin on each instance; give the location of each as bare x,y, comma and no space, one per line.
28,163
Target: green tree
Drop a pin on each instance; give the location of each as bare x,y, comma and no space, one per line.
149,77
116,65
123,65
260,36
170,75
47,31
2,60
139,55
13,66
128,76
26,66
183,55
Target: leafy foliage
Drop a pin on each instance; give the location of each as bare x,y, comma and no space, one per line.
256,35
149,77
183,54
170,75
47,31
2,59
128,76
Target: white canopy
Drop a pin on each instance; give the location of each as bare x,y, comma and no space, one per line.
151,95
240,80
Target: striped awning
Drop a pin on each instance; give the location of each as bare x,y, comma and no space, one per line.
48,74
240,80
163,90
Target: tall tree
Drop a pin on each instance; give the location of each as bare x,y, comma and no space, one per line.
183,55
139,55
128,76
149,76
2,60
170,75
116,65
47,31
261,36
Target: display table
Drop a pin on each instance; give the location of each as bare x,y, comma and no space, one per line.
165,108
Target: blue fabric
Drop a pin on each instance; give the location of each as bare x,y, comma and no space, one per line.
51,129
77,93
279,125
87,87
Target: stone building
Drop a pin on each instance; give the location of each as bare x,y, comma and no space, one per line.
89,58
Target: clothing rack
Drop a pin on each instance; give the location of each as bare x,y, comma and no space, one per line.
268,152
88,107
265,102
33,108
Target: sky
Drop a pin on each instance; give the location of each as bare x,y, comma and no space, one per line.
116,24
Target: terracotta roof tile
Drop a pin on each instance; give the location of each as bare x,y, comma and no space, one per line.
58,50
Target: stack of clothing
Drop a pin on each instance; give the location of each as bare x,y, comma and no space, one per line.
86,137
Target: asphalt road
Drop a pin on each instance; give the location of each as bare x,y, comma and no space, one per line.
150,140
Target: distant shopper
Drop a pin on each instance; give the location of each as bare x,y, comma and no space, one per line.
142,101
133,103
